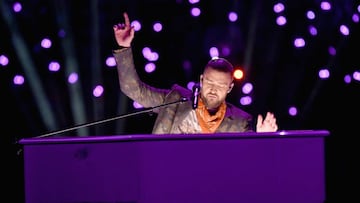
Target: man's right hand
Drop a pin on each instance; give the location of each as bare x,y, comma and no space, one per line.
124,32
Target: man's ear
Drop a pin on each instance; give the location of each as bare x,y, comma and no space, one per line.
230,88
201,79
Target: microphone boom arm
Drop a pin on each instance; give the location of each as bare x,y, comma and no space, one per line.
147,110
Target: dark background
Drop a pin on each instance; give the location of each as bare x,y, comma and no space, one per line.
282,75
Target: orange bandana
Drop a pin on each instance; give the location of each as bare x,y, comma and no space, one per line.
209,123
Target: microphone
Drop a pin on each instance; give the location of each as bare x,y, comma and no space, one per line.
196,92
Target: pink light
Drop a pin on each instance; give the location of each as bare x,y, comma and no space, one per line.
247,100
19,80
347,79
278,8
356,75
344,30
332,51
299,42
54,66
190,85
98,91
137,25
324,73
313,30
247,88
150,67
46,43
157,27
355,18
149,54
281,20
73,78
233,16
4,61
194,1
195,12
110,62
310,15
292,111
17,7
214,52
325,5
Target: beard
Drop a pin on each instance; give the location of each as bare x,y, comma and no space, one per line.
212,102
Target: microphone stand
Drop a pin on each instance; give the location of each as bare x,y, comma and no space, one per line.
147,110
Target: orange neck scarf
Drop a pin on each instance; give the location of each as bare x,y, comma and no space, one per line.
209,123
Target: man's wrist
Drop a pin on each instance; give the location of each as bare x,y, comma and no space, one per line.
122,47
119,49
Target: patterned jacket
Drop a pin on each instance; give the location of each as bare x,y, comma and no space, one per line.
170,116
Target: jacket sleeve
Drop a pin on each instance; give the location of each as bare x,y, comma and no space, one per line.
130,83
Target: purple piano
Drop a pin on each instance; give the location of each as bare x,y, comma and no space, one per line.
280,167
